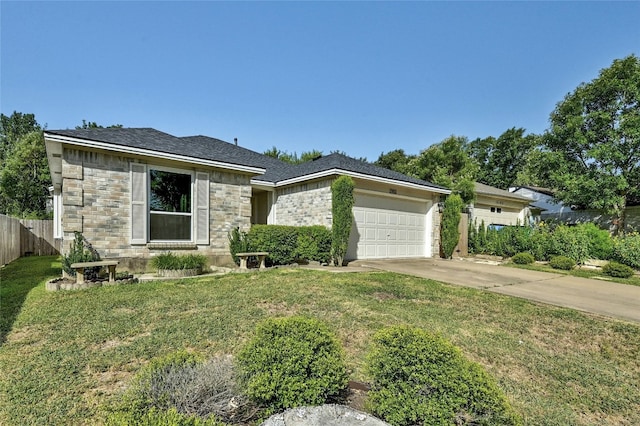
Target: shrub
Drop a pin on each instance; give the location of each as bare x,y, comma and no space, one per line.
342,201
238,243
449,234
182,388
421,378
292,362
599,242
523,258
278,240
171,261
618,270
314,243
80,251
626,250
562,262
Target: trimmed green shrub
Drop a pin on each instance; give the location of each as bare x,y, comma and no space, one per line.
562,262
523,259
172,261
342,201
449,234
292,362
618,270
626,250
421,378
278,240
314,243
80,251
238,243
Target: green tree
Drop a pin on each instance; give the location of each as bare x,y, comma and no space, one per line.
342,213
25,178
395,160
93,125
591,154
293,158
448,164
502,159
449,233
12,128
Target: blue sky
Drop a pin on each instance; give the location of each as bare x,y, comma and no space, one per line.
360,77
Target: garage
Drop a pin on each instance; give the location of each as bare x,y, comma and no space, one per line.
389,226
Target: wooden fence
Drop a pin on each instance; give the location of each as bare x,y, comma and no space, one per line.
26,237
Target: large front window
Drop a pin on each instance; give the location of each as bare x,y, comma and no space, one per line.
170,205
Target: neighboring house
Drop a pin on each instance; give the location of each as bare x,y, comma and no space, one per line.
570,215
497,207
137,192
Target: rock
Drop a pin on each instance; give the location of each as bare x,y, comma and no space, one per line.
324,415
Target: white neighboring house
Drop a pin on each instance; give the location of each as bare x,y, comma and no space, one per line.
497,207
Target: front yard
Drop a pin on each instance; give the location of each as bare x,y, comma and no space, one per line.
65,355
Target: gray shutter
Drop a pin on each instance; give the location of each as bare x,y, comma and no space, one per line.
138,203
202,208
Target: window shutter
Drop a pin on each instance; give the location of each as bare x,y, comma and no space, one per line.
138,203
202,208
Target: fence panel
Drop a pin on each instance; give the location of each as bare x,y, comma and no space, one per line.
9,239
36,238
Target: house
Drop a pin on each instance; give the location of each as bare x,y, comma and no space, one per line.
553,210
137,192
497,207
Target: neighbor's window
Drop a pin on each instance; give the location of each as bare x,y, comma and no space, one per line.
169,205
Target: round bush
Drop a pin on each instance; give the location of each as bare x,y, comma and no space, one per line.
523,259
292,362
562,262
421,378
618,270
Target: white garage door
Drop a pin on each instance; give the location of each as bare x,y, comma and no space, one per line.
386,227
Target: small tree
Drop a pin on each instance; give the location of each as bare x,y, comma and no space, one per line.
449,233
342,212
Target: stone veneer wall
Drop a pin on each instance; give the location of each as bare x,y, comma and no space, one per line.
436,218
305,204
96,202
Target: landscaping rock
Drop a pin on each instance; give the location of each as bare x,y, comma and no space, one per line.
324,415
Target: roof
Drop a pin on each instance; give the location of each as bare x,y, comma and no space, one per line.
481,188
200,147
216,152
338,164
539,189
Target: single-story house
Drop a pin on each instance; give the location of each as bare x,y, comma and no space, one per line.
135,192
497,207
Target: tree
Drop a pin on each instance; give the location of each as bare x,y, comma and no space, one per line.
342,216
394,160
593,144
25,178
93,125
12,128
501,159
449,233
293,158
448,164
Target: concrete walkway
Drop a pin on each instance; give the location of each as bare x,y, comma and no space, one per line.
589,295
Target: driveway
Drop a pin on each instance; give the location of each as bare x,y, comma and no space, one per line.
589,295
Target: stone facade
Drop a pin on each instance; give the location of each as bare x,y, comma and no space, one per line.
305,204
97,202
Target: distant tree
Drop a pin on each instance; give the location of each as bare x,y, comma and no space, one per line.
12,128
591,154
501,159
93,125
293,158
25,178
448,164
395,160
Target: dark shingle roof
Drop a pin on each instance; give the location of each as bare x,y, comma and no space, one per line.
207,148
201,147
339,162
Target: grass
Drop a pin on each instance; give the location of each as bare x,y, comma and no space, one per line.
578,272
67,355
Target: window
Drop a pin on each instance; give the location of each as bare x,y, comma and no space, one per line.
169,205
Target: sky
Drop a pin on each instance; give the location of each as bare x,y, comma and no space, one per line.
358,77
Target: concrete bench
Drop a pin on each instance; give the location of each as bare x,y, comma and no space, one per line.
80,266
261,255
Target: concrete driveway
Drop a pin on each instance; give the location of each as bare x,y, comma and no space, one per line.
589,295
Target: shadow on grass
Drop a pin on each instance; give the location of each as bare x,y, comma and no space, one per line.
17,279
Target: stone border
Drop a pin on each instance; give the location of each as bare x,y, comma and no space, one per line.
57,284
179,273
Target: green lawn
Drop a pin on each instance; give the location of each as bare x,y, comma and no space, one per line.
579,272
65,355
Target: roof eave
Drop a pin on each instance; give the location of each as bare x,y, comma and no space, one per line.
88,143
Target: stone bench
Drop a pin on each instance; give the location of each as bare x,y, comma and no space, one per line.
261,255
80,266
